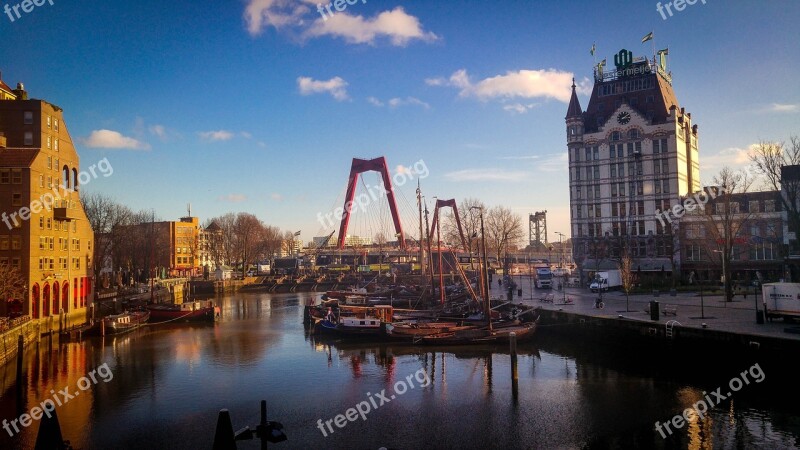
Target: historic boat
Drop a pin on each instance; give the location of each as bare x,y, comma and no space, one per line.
127,321
197,311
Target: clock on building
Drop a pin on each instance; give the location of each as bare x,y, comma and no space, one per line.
624,117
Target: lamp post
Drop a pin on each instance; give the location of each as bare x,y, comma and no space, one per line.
724,276
560,265
484,271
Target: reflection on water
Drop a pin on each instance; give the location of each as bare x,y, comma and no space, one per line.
171,380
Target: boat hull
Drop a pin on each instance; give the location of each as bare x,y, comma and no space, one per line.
179,313
123,323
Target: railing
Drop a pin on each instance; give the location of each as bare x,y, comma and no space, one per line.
8,324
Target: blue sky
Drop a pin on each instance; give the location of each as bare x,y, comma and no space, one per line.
260,105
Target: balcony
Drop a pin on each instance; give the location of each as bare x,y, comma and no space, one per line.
65,214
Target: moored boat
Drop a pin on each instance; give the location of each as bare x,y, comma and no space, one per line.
480,335
127,321
197,311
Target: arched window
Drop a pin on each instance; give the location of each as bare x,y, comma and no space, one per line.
35,301
633,134
46,300
56,298
65,175
74,178
615,136
65,295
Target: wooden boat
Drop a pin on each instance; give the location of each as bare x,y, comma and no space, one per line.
127,321
197,311
355,321
401,330
480,335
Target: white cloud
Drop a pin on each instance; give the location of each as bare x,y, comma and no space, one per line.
113,139
545,83
733,157
336,86
520,158
396,25
783,108
275,196
397,102
556,162
158,130
491,174
302,18
374,101
519,108
260,14
219,135
245,135
232,198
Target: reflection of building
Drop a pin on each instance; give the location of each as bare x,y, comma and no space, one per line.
632,152
45,232
756,224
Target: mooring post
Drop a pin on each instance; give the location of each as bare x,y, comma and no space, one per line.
49,436
262,427
514,374
223,437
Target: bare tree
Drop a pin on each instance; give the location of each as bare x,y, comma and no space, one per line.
769,159
470,222
727,221
12,284
105,217
502,227
247,229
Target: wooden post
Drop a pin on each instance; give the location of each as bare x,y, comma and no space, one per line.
514,373
223,437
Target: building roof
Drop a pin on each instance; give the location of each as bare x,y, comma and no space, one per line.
574,109
17,157
601,106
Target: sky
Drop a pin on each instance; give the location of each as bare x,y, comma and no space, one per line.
260,105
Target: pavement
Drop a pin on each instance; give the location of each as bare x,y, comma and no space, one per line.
738,316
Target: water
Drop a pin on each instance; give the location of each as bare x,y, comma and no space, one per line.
168,383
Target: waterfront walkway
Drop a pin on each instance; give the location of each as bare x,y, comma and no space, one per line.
737,317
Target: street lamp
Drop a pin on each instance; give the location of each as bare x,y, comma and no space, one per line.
724,276
560,249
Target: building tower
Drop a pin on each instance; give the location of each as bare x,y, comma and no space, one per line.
632,154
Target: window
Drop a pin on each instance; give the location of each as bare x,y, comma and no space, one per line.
596,172
55,126
76,244
16,176
16,242
769,205
51,263
588,151
615,136
612,170
16,199
622,189
640,205
578,192
5,177
28,117
4,241
50,182
657,186
595,152
49,142
16,262
752,205
41,181
28,138
597,191
633,134
48,122
62,263
666,186
55,145
614,211
41,263
76,263
578,211
42,242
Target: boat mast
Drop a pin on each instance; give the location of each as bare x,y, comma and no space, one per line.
430,252
441,275
421,235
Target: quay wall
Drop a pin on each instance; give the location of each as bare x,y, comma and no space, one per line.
30,331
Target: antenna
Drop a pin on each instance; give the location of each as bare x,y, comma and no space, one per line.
189,209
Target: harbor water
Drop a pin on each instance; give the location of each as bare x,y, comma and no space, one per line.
162,386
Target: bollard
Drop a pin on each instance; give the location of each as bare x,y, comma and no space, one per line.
223,436
49,436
